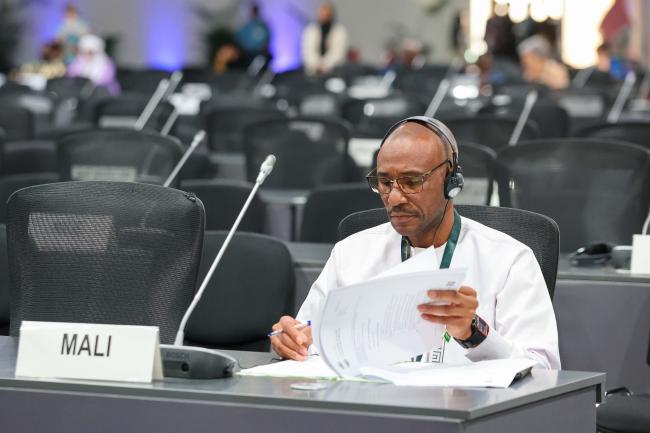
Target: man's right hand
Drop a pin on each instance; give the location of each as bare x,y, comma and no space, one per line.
292,343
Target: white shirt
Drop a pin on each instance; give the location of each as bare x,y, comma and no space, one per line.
512,294
335,54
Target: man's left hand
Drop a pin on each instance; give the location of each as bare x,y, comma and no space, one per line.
456,313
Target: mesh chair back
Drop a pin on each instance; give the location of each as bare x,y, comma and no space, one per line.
132,156
12,183
293,86
540,233
310,152
255,279
633,132
103,252
479,165
144,81
225,125
5,282
491,131
596,190
123,111
63,88
552,119
421,83
17,122
29,156
328,205
223,199
372,117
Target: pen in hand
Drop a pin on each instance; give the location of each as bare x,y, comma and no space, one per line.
298,326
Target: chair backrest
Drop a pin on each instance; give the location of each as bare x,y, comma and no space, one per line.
327,205
121,155
540,233
491,131
225,125
633,132
422,82
5,282
123,111
551,118
12,183
479,166
103,252
28,156
223,199
596,190
252,287
144,81
310,152
372,117
63,88
18,123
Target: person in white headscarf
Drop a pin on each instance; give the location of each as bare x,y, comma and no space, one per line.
93,63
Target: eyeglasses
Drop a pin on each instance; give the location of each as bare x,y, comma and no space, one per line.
407,184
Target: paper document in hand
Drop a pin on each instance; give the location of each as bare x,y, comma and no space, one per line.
497,373
376,322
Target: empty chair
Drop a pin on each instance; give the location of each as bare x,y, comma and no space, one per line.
103,252
585,106
295,85
122,155
320,105
28,156
225,125
40,104
310,152
479,165
327,205
422,83
16,121
12,183
63,88
252,287
552,119
491,131
596,190
123,112
372,117
539,232
223,199
5,282
144,81
633,132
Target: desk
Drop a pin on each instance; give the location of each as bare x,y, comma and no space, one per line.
602,316
547,401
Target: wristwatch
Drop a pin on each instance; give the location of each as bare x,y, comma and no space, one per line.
480,330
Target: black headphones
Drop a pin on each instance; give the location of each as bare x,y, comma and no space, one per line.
454,181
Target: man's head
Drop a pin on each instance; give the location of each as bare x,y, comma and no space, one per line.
326,13
533,53
423,153
70,11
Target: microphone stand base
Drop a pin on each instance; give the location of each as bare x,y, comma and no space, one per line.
195,362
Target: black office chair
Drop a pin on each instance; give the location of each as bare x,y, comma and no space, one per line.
143,81
17,122
295,85
491,131
12,183
223,199
421,83
372,117
123,111
310,152
5,282
103,252
479,166
225,125
327,205
632,132
596,190
28,156
252,287
551,118
585,106
121,155
537,231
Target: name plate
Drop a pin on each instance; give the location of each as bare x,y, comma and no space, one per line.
89,351
640,254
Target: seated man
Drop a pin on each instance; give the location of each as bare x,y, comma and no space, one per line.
503,308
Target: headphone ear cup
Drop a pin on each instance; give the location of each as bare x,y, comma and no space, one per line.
454,183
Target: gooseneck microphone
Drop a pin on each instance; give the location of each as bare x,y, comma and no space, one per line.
197,362
198,138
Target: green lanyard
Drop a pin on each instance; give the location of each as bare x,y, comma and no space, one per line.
446,257
449,249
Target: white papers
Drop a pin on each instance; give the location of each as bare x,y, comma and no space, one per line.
497,373
376,322
313,367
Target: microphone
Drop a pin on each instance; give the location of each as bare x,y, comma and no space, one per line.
622,97
531,99
155,99
198,138
196,362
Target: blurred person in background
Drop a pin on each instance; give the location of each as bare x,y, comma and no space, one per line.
325,43
538,64
70,32
254,36
51,63
93,63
